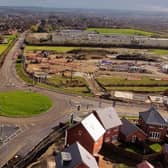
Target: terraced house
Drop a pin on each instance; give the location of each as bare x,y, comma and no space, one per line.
153,124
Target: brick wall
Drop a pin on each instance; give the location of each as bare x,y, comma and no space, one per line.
79,133
153,128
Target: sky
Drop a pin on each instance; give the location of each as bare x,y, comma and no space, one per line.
149,5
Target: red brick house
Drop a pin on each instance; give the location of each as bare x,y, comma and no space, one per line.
130,132
145,164
75,156
111,122
89,133
153,124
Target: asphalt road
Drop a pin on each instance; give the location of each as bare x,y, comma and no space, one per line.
34,129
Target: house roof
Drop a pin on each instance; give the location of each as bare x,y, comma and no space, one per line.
128,128
145,164
93,126
165,148
153,117
78,155
108,117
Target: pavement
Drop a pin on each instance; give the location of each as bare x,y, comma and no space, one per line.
34,129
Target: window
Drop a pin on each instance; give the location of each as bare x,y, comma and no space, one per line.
134,138
154,135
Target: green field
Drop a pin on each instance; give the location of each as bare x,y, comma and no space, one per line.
3,47
10,37
23,104
121,84
159,51
51,48
122,31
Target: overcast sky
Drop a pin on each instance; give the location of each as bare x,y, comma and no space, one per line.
154,5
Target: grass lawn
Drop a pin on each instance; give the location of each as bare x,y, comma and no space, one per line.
21,73
133,148
23,104
156,147
59,80
159,51
51,48
122,31
117,81
82,91
121,84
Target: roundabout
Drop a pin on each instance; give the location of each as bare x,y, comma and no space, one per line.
23,103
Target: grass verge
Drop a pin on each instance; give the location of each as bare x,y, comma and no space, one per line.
51,48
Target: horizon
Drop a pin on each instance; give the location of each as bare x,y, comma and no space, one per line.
131,5
85,9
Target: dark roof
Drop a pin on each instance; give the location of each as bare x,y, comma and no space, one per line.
153,117
128,128
108,117
77,155
165,148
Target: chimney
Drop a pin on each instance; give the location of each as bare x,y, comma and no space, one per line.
66,158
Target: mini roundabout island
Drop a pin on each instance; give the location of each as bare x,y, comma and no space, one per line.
23,103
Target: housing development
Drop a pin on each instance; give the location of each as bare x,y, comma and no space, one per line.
83,88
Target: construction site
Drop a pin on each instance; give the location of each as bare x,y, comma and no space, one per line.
97,71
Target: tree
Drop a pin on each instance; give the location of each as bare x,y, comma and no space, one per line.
34,28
